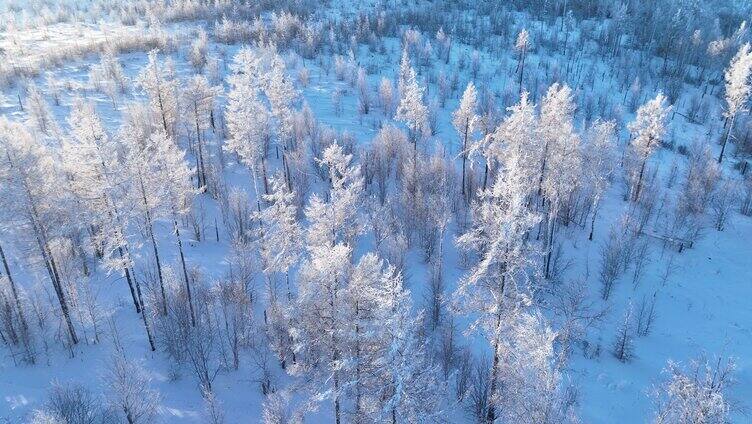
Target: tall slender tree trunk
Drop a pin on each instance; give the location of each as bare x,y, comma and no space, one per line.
491,416
255,188
286,169
128,274
595,214
49,261
263,173
159,267
485,176
543,169
550,240
290,322
336,400
61,296
464,158
185,270
202,167
162,112
161,102
358,371
51,267
200,148
522,69
150,229
14,290
335,353
726,138
638,188
128,278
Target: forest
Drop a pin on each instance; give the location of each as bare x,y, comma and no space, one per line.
375,211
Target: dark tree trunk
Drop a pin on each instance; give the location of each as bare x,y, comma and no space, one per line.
638,188
13,290
49,263
61,297
136,302
150,229
143,309
185,271
491,417
201,167
725,140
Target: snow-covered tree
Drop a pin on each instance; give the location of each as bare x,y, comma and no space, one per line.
320,331
738,88
516,135
90,158
723,202
247,118
38,111
142,171
497,285
386,95
464,121
234,312
108,74
129,392
362,335
159,83
70,403
623,348
700,179
475,64
279,239
13,322
173,185
522,45
560,159
599,158
364,92
647,131
408,389
529,387
213,412
281,235
336,220
404,72
321,321
54,87
698,394
199,49
33,203
281,92
113,69
96,178
411,109
278,409
445,44
198,100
